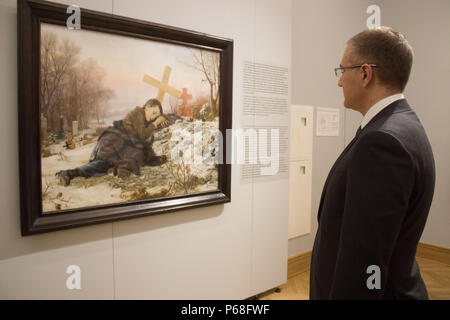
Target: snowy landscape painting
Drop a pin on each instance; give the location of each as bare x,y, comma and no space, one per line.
119,117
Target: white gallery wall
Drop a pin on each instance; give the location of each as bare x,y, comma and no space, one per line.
230,251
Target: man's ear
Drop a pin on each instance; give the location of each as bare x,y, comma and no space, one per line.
367,75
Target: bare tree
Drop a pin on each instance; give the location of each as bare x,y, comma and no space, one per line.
208,63
86,97
70,88
56,60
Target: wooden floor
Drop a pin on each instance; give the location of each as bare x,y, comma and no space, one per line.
435,274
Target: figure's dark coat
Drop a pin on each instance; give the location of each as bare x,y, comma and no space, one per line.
123,145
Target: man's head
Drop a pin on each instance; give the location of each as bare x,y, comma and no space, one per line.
153,109
384,59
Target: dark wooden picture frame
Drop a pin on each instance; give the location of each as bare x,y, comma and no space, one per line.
31,13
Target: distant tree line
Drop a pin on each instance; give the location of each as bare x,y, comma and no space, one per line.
69,87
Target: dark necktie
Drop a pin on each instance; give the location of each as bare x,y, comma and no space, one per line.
358,132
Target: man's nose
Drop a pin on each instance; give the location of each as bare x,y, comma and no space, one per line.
340,82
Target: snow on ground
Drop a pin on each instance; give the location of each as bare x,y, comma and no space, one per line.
109,189
66,159
57,197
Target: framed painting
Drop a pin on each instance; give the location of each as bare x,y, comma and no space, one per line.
118,118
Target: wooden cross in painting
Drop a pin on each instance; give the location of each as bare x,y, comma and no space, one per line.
163,85
185,110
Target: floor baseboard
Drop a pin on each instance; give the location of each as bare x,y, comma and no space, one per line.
300,263
433,252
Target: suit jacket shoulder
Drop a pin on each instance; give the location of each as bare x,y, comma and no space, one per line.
401,122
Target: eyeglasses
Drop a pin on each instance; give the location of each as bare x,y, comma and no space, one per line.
339,71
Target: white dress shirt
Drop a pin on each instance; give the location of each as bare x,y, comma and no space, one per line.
380,105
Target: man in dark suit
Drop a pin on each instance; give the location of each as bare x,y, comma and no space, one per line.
376,198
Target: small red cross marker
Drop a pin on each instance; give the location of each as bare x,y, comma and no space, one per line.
185,110
185,97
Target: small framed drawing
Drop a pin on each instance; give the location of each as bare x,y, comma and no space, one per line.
118,118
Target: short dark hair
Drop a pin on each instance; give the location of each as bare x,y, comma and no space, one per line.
154,102
389,50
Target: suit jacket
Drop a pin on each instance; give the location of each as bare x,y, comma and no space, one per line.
373,210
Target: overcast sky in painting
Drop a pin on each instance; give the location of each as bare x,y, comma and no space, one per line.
125,61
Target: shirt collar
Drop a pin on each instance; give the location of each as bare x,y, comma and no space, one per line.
380,105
